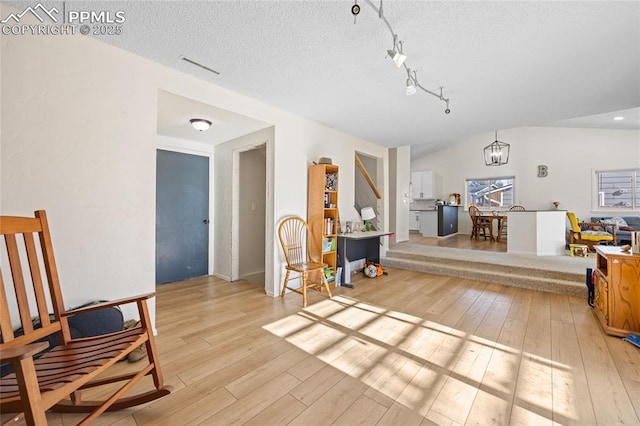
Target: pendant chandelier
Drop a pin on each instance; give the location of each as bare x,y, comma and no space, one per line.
496,153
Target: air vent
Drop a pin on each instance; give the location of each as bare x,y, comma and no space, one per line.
184,58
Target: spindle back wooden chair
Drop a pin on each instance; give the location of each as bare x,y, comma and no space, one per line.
478,223
45,378
294,236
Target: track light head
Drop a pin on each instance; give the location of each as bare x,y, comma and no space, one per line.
396,53
411,88
398,58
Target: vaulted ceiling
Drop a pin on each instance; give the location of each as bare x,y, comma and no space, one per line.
502,64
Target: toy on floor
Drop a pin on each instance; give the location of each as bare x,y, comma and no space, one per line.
633,338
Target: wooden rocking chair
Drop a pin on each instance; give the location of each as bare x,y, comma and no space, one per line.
52,380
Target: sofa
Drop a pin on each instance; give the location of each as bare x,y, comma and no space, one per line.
625,225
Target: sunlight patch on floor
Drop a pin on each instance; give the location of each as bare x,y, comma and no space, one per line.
436,370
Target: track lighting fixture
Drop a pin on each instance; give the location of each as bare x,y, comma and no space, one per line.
200,124
399,58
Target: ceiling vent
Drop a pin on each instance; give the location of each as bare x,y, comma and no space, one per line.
192,62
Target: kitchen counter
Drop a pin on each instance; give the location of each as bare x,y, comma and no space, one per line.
438,221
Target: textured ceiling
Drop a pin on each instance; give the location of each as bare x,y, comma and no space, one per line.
502,64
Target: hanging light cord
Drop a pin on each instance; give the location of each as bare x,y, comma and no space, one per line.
396,43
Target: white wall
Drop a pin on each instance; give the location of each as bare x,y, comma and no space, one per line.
571,155
78,139
399,178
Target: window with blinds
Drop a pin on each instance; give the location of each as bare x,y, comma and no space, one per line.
618,189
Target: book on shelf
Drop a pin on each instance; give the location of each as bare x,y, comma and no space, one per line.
329,275
328,245
329,226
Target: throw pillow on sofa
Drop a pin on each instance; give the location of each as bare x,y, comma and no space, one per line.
618,221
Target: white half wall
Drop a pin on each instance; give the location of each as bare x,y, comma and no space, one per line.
572,156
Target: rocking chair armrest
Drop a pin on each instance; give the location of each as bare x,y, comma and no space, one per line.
20,352
108,304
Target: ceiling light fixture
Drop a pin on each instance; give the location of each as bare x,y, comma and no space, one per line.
396,53
399,58
618,118
496,153
200,124
411,87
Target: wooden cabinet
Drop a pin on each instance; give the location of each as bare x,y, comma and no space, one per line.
617,290
414,221
322,214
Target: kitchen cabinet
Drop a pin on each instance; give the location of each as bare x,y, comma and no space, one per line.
617,290
447,220
423,185
429,223
414,221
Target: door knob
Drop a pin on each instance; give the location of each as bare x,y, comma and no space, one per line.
205,221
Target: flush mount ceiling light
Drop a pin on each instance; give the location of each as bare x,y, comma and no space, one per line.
618,118
496,153
200,124
399,58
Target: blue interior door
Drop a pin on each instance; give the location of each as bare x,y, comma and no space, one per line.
182,216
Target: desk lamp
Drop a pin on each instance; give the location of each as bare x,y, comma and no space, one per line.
368,214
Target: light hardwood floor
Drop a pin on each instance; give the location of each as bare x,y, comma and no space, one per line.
406,348
459,241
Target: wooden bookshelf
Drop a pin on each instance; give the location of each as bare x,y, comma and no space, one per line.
322,214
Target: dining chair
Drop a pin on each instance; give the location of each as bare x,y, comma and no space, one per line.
294,236
478,223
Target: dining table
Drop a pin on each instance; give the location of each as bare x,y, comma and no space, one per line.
499,219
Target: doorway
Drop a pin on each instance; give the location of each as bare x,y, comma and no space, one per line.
182,216
250,168
368,186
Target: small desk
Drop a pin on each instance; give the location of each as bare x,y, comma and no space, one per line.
358,245
490,218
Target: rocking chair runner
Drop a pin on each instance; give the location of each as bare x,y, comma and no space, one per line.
53,379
